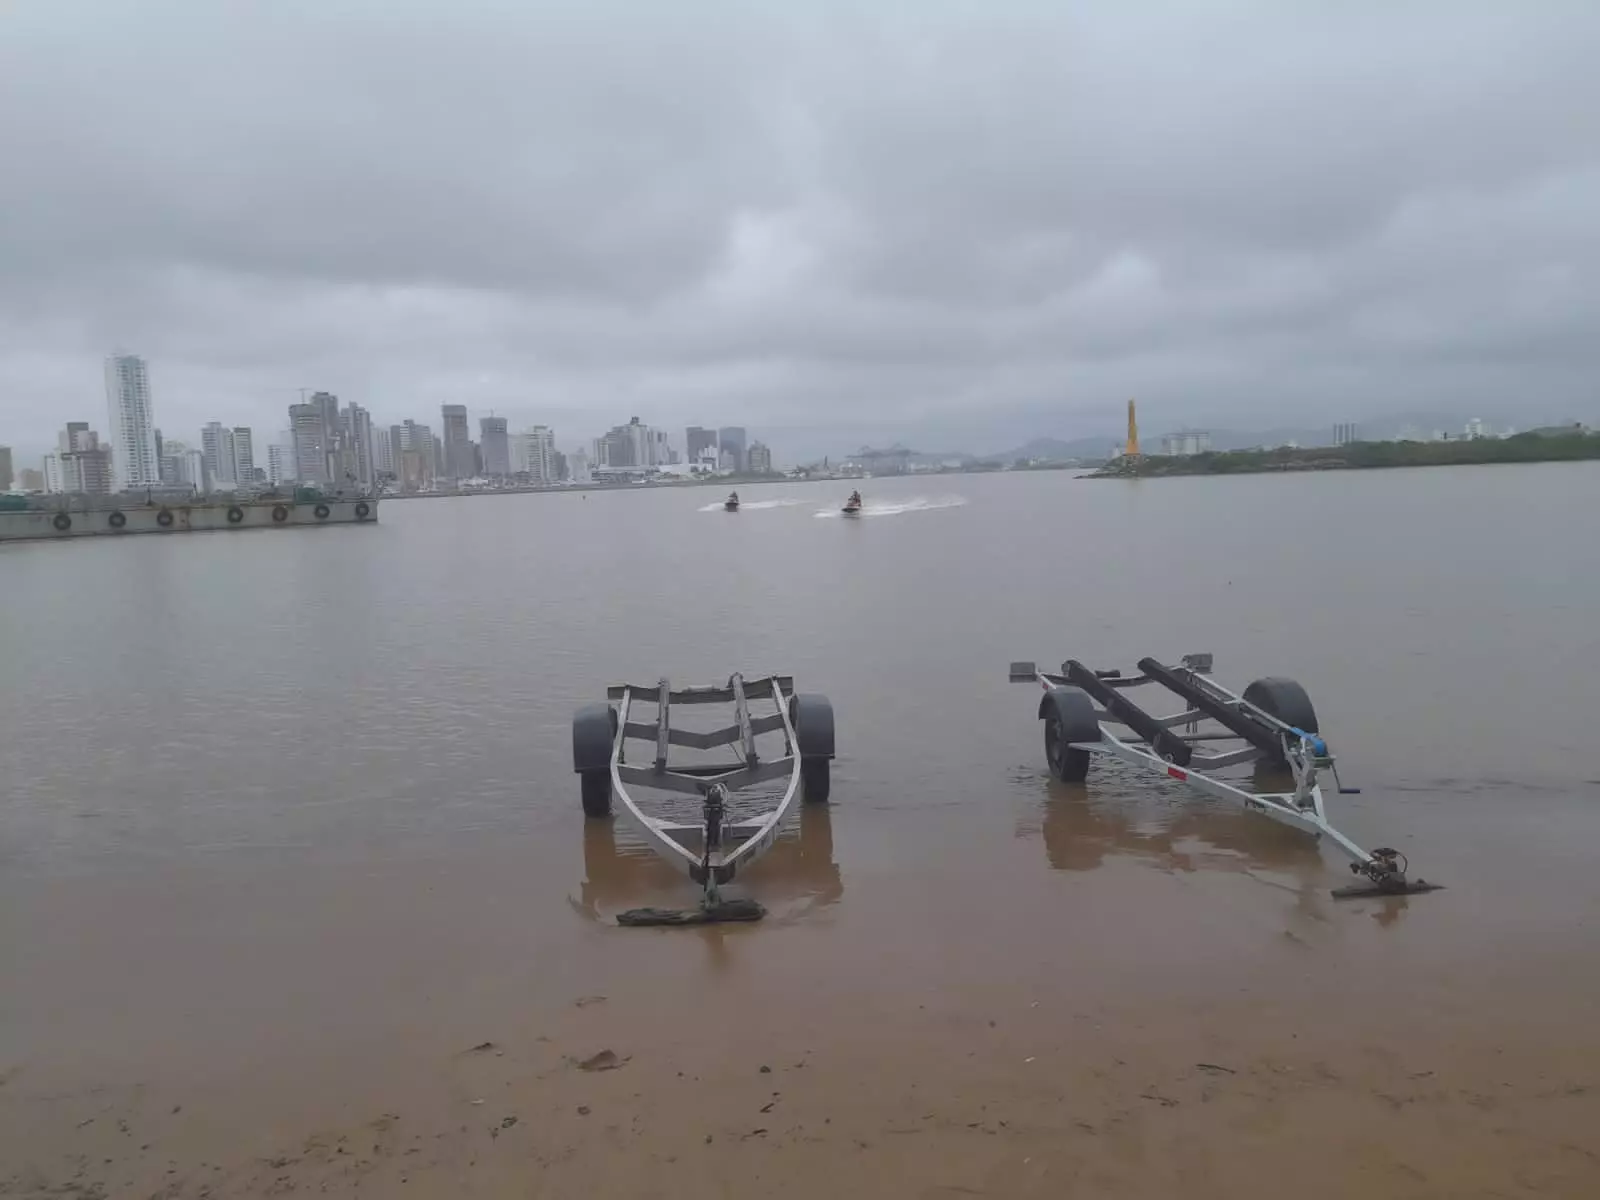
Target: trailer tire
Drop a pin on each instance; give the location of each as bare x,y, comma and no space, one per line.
1068,716
596,794
1286,700
816,780
812,718
594,728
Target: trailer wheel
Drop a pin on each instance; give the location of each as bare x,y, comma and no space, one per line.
596,793
812,718
1284,699
594,728
815,780
1068,717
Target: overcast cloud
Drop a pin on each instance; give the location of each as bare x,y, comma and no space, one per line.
957,224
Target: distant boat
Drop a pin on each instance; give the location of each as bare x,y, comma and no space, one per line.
731,504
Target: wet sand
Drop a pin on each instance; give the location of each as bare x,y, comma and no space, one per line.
1174,1008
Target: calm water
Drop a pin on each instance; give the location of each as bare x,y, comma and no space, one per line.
224,750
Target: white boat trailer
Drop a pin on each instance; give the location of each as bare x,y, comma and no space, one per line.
712,851
1271,722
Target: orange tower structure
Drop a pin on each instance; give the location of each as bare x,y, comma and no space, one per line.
1132,450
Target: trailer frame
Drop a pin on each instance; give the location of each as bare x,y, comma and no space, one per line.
713,851
1171,746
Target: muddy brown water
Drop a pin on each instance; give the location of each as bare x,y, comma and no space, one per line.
296,895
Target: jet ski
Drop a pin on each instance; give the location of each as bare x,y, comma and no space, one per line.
852,506
731,504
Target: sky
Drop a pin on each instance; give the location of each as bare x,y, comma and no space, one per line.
958,225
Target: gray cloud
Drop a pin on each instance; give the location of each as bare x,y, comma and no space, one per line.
945,221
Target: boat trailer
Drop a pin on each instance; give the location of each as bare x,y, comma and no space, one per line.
713,850
1271,723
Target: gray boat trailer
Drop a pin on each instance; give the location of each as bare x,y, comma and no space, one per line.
713,851
1169,746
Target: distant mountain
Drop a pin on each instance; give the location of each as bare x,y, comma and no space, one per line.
1055,450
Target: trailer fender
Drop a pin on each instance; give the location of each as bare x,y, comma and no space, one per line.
1076,711
812,718
594,728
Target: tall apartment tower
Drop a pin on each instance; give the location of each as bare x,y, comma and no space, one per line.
131,419
244,454
731,441
458,462
496,447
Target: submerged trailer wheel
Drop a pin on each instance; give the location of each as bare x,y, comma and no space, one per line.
594,728
1286,700
1068,716
596,793
812,718
815,780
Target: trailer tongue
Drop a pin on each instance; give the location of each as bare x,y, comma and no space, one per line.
1271,722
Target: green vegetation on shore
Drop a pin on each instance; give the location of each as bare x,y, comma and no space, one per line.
1542,446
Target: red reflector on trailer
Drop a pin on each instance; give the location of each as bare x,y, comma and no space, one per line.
1177,773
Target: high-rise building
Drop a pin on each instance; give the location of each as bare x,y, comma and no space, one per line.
244,455
318,444
310,442
82,464
1345,432
698,441
382,452
639,442
534,455
193,472
173,467
357,455
131,415
216,443
758,458
91,470
458,462
30,480
625,446
496,447
280,460
731,442
6,479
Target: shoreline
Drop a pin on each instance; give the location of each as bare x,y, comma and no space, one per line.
1524,448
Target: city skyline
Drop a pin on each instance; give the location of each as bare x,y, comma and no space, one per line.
327,443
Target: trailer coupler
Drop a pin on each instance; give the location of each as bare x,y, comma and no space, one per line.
1385,873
